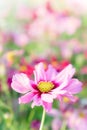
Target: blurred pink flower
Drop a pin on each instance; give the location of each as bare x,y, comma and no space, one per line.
4,37
9,74
21,39
59,65
77,6
70,47
23,12
49,22
84,70
26,68
85,54
77,119
47,86
56,124
68,24
35,124
1,48
8,57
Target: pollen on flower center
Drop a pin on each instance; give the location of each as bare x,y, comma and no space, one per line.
81,114
45,86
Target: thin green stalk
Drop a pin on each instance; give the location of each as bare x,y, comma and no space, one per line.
42,120
63,125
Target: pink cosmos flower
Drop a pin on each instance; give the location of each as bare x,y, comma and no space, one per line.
20,39
77,119
47,86
56,124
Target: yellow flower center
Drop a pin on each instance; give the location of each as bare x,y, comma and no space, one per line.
45,86
23,68
81,114
66,99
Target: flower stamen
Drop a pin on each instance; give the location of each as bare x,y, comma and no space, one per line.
45,86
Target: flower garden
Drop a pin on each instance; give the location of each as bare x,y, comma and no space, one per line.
43,65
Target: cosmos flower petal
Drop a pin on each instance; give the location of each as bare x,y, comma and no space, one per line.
55,93
66,73
74,86
70,97
39,73
36,101
35,104
47,97
54,113
26,98
50,73
20,83
61,86
47,106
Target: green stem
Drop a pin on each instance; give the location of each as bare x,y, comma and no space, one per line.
42,120
63,125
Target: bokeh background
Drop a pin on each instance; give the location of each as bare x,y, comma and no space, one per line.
49,31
